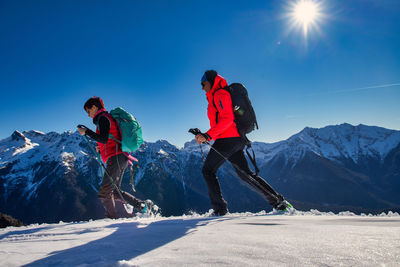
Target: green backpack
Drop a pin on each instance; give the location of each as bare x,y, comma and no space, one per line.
131,131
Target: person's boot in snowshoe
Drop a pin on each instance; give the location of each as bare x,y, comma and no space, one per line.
282,204
220,212
148,208
109,206
145,208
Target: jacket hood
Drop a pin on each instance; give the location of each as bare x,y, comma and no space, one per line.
219,83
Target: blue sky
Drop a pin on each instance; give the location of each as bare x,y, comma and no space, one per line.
149,56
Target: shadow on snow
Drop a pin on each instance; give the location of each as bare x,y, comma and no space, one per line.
130,240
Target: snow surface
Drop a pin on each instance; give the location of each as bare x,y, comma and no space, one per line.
241,239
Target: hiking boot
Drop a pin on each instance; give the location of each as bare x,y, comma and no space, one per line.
282,205
109,206
220,212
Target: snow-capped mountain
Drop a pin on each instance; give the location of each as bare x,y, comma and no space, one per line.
336,167
45,177
336,143
23,154
51,177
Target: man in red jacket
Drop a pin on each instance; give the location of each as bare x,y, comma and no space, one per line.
229,144
116,161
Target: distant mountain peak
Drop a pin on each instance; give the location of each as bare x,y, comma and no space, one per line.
18,136
33,133
335,142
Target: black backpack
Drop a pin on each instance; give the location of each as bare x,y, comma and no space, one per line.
245,117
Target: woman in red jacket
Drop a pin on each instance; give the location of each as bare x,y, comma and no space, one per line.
229,144
116,161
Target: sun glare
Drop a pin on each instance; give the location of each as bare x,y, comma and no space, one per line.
305,14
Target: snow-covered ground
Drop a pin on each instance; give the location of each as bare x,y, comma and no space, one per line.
245,239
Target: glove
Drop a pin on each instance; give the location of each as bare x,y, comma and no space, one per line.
82,129
196,131
206,136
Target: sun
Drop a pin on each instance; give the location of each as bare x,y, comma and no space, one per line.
305,14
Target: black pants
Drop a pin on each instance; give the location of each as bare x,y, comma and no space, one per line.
232,149
115,166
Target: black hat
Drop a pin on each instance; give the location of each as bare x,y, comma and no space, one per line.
210,76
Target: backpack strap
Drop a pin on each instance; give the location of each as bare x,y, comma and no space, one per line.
109,117
252,158
213,101
215,106
132,177
132,170
110,136
247,141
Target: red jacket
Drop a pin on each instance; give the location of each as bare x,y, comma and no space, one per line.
222,125
111,148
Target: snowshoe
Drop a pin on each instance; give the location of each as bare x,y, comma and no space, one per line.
284,207
149,208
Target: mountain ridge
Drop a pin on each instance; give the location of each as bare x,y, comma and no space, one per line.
37,169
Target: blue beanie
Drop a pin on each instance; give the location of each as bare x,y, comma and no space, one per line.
204,78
